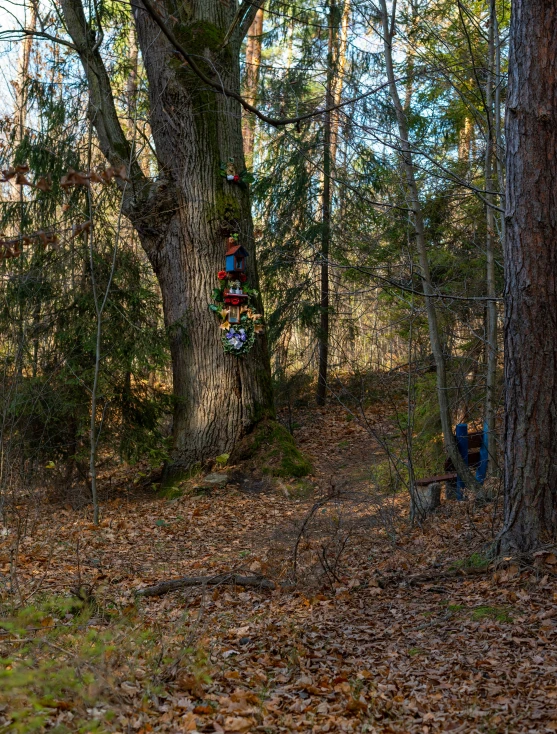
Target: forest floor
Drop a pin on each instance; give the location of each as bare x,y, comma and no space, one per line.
390,628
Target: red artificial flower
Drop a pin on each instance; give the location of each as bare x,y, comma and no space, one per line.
242,277
222,275
236,177
234,301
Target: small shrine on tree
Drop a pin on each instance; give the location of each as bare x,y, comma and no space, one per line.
233,301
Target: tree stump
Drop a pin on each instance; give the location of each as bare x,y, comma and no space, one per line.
426,500
450,491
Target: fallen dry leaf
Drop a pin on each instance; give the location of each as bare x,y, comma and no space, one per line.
237,723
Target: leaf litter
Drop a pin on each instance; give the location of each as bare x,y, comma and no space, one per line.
405,632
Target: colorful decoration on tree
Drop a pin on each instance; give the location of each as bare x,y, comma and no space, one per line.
239,322
228,171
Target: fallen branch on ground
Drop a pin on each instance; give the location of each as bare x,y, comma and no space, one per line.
233,579
451,573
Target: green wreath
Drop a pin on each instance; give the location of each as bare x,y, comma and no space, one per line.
239,339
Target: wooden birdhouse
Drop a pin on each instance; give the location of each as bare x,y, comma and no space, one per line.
234,298
235,257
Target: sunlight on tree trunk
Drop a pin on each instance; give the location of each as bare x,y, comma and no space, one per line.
326,210
23,74
253,63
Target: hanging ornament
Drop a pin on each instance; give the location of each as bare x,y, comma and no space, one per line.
232,302
228,171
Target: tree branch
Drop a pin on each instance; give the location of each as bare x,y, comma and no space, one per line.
234,579
114,144
274,121
7,35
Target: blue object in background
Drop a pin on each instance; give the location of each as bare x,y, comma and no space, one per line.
481,472
462,443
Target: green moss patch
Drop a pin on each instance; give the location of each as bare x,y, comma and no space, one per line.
476,560
176,480
496,613
271,450
68,665
200,35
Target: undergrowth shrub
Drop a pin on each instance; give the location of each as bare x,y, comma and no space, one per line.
66,665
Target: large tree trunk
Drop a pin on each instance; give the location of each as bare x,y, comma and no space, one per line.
183,218
531,278
218,397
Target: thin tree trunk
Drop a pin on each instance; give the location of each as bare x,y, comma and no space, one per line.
99,299
20,128
326,214
491,236
253,63
499,148
419,230
23,75
21,87
338,79
131,82
530,493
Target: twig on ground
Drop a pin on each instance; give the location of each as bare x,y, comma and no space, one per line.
317,505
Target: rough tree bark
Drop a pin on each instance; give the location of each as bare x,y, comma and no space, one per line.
531,276
182,217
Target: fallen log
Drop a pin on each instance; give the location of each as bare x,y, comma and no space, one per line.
233,579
